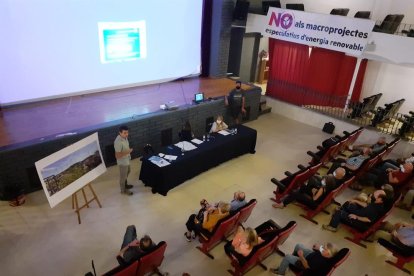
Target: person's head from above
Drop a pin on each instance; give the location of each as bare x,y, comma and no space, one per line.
382,140
123,131
145,243
328,250
366,151
378,196
251,236
187,125
239,195
389,190
223,207
219,119
339,173
238,85
328,181
406,167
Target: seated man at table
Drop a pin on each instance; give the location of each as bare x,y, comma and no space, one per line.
218,125
310,194
238,201
352,163
132,248
204,222
315,260
358,215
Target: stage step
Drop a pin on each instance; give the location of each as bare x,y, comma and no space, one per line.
263,108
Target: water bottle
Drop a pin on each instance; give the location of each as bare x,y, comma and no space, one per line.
235,131
204,137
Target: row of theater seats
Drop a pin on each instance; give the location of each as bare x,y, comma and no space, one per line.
390,24
148,263
368,104
387,112
407,123
296,179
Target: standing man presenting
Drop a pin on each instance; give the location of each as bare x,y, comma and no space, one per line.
236,100
123,157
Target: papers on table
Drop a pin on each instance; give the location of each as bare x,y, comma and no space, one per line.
159,161
186,146
224,132
196,141
170,157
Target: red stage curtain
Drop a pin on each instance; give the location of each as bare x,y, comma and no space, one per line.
324,78
287,68
329,78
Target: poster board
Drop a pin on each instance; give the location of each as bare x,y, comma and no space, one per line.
68,170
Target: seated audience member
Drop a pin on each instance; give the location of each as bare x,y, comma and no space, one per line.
238,201
357,214
186,133
218,125
376,148
338,174
380,176
311,194
352,163
242,244
407,201
316,260
207,218
364,199
132,249
402,234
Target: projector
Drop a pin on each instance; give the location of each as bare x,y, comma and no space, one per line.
169,106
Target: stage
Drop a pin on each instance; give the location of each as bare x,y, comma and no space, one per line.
30,121
30,132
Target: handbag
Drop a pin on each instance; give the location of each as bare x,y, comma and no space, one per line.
328,128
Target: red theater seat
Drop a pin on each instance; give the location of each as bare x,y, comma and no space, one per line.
265,249
402,256
224,227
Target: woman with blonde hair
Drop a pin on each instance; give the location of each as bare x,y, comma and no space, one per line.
243,243
218,124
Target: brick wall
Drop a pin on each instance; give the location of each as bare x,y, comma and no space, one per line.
17,162
222,16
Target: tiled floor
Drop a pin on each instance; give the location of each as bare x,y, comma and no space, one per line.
37,240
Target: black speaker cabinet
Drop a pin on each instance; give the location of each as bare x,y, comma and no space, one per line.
240,10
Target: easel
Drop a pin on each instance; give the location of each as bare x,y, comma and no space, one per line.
75,204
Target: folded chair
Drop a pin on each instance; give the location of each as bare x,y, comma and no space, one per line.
293,181
402,255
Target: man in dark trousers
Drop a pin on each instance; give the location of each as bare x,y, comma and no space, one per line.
236,101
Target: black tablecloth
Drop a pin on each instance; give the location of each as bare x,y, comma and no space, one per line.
209,154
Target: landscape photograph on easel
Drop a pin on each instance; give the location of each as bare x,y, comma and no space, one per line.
70,168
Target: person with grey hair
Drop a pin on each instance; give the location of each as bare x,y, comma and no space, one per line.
238,201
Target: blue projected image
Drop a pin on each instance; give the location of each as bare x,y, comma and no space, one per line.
122,41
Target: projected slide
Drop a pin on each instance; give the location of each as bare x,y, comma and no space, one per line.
122,41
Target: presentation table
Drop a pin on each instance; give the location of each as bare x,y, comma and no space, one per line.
208,154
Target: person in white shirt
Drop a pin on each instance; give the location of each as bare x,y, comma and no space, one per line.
218,125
